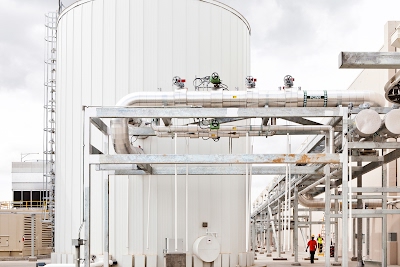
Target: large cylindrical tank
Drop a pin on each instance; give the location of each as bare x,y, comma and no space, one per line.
109,48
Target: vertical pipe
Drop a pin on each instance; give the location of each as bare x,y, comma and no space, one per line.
351,226
247,196
345,173
187,198
273,224
285,205
86,183
78,256
332,140
289,196
336,227
148,213
327,237
268,241
296,225
279,229
353,236
105,220
367,238
384,216
359,222
176,198
310,216
87,227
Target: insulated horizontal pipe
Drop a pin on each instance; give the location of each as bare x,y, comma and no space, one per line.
218,99
243,128
390,124
366,123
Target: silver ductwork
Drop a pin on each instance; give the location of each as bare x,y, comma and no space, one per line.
250,98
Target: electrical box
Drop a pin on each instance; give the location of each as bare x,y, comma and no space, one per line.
4,241
392,236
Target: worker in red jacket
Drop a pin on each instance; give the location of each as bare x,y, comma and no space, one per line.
312,244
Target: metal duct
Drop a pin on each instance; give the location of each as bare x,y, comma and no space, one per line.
250,98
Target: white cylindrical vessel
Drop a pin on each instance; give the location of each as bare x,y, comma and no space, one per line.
110,48
206,248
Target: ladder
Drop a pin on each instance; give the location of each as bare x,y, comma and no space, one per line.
49,135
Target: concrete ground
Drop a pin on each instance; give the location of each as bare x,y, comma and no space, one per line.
22,263
262,260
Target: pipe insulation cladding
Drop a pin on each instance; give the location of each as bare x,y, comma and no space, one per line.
249,98
391,124
367,122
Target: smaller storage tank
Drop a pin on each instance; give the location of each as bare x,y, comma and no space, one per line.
206,248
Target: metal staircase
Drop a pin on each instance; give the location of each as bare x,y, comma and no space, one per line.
49,136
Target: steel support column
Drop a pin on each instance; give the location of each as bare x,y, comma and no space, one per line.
336,244
296,227
345,189
384,216
359,222
279,229
327,171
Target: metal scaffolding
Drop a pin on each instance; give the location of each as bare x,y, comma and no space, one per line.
320,168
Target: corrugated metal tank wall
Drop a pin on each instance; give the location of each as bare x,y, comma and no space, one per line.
109,48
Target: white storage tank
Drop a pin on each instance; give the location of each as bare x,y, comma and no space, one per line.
109,48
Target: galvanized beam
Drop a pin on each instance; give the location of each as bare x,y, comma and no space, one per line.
366,158
380,110
198,112
131,169
373,165
99,124
302,121
216,159
376,189
374,145
369,60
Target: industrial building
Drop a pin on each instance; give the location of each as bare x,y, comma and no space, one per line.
149,143
26,216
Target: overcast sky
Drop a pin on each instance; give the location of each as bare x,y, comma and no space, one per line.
298,37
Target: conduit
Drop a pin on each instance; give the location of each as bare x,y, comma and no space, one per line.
220,99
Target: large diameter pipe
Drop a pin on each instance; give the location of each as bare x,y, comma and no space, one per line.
390,124
252,98
366,122
218,99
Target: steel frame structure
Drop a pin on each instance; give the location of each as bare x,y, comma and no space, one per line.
313,164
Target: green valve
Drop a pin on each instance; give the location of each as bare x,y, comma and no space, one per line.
214,125
214,79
